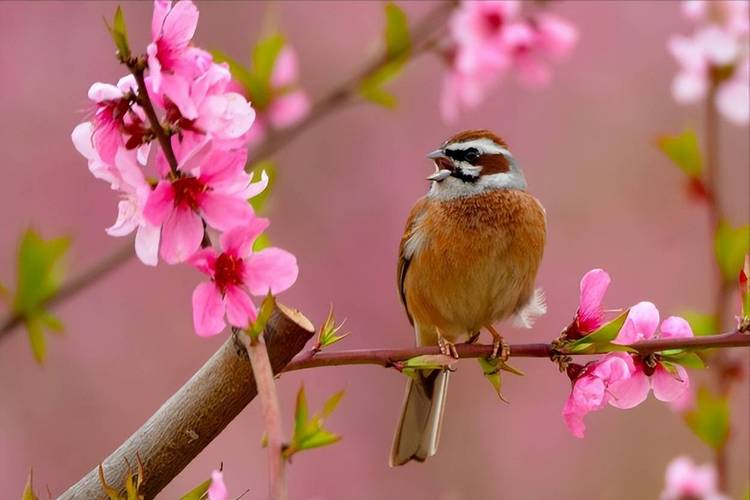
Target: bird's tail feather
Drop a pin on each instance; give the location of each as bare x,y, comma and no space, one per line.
418,430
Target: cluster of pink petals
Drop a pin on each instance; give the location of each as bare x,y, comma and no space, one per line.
685,480
235,271
208,189
217,490
619,379
489,38
289,103
720,44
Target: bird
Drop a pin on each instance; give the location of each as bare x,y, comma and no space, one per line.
468,259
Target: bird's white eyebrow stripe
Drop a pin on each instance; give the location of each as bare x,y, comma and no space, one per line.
483,144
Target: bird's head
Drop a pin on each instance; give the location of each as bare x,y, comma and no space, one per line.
472,162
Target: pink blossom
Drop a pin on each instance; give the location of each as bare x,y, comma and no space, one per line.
217,490
730,14
172,28
669,382
234,272
478,30
685,480
590,315
211,186
592,389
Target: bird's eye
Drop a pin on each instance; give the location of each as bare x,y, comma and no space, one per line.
471,155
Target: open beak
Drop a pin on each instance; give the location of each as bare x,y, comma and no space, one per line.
441,162
438,153
440,175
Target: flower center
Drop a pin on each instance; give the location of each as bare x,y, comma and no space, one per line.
493,22
229,271
188,192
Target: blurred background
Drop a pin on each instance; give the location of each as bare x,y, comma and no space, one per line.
344,189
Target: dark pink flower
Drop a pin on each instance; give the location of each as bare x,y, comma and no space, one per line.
234,272
590,315
172,28
211,186
685,480
217,490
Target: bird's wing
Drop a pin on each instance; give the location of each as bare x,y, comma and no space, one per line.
409,244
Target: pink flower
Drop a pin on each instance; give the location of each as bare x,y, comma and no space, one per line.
478,30
234,272
686,480
730,14
592,389
172,28
669,382
211,186
590,315
217,490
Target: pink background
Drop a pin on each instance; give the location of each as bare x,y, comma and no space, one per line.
587,146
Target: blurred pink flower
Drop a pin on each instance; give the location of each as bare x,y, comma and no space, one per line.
669,382
488,38
592,389
718,47
684,403
685,480
590,315
217,490
234,272
211,186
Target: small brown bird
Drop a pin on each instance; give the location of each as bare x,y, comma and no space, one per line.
468,259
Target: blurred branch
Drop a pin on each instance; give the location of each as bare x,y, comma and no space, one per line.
391,357
199,410
269,402
424,33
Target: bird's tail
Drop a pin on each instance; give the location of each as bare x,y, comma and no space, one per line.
418,430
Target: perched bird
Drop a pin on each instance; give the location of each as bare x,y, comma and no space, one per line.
468,259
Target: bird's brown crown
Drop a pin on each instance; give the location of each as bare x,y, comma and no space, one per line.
470,135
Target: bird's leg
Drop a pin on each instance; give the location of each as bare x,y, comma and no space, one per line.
473,338
447,347
500,347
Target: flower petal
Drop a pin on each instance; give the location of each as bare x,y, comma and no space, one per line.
239,240
594,285
224,212
271,269
147,243
217,490
640,324
204,260
181,236
127,219
240,309
629,392
733,101
287,109
208,310
669,387
159,204
675,327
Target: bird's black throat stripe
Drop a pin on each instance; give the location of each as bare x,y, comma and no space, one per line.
458,174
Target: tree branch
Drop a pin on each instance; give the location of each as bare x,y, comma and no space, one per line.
391,357
339,96
199,411
269,401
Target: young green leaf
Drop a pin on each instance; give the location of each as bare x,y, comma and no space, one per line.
397,37
328,334
684,151
601,339
685,358
261,242
260,201
28,490
429,362
119,33
300,412
36,338
264,314
731,246
491,371
253,86
709,420
701,323
265,54
199,492
309,431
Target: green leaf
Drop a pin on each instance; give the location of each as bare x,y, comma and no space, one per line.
601,339
39,270
111,492
254,87
261,242
731,246
36,338
119,33
264,314
429,362
259,202
491,369
397,37
328,334
687,359
28,490
684,151
318,439
197,493
265,53
710,418
309,432
51,321
397,52
331,403
300,412
701,323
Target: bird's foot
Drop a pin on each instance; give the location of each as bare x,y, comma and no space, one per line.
447,347
500,348
473,338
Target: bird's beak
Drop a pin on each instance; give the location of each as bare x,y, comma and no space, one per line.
440,175
438,153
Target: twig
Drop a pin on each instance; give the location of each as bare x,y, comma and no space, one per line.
199,411
333,101
389,357
269,402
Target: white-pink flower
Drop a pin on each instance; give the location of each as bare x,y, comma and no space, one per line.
235,271
685,480
669,382
217,490
211,186
592,389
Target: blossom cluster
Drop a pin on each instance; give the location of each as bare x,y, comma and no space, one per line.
200,187
621,379
489,38
716,54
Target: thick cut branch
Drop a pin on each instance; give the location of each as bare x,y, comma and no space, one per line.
199,411
390,357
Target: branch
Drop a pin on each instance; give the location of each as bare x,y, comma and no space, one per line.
390,357
333,101
269,401
199,411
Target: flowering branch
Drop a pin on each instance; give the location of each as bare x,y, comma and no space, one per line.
392,357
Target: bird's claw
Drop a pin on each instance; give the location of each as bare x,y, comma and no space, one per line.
500,349
447,348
